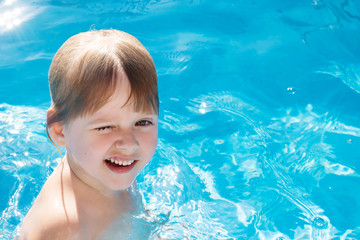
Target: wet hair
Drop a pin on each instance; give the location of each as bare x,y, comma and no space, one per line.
84,73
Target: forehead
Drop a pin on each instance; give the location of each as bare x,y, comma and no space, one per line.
117,92
120,102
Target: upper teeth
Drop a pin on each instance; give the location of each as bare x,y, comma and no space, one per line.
123,163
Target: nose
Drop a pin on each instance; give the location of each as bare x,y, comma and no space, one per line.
127,142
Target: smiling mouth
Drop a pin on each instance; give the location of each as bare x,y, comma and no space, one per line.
120,166
120,163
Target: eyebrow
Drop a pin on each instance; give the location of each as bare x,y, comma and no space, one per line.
99,121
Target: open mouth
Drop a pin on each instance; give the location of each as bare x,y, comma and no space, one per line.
120,166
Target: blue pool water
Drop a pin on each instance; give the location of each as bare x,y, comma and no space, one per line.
259,121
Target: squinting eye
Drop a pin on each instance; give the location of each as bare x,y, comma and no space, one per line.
143,123
101,129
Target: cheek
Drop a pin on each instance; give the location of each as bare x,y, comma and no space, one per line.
150,142
79,149
85,147
98,142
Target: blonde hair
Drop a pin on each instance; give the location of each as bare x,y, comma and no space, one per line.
83,74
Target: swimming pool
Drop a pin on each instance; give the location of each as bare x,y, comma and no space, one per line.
259,119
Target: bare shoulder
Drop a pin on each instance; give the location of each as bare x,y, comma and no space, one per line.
52,216
48,222
54,228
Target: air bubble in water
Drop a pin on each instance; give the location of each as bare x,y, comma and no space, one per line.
219,141
202,108
320,223
290,90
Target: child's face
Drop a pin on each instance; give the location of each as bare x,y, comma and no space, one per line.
115,133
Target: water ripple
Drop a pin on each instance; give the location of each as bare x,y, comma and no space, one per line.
350,75
26,152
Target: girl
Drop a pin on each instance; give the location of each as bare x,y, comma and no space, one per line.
104,111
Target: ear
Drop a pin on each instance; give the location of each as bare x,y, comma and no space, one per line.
56,132
55,128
